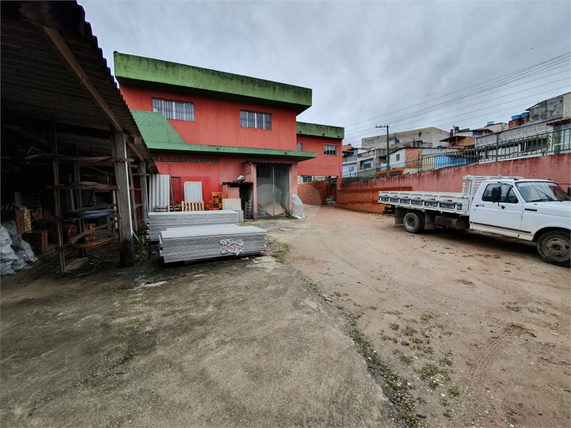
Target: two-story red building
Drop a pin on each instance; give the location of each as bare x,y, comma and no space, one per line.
212,131
326,141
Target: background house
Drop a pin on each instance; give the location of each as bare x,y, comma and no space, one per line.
207,128
326,142
422,137
545,126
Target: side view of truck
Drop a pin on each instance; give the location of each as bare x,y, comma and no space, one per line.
528,209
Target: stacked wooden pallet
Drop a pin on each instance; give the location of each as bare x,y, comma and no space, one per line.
207,242
192,205
158,222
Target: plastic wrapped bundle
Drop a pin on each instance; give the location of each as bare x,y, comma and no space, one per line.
159,222
207,242
297,211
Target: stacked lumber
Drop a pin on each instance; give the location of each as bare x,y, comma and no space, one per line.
207,242
158,222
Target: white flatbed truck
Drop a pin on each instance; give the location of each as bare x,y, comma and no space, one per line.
529,209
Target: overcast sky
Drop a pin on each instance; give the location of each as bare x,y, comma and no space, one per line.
406,64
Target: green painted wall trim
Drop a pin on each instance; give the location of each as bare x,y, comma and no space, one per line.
228,150
324,131
159,134
148,72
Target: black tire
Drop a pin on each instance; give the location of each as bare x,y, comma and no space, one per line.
553,247
414,222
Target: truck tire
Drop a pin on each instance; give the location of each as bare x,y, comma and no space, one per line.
414,222
553,247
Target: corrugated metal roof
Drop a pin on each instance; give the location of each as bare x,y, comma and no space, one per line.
53,72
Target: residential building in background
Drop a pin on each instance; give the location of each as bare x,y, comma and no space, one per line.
531,130
544,128
423,137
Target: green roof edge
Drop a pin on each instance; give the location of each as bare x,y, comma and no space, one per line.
203,148
142,71
324,131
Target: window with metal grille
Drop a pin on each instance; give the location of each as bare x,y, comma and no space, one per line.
330,150
252,119
177,110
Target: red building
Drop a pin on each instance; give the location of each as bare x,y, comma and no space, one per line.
212,131
326,142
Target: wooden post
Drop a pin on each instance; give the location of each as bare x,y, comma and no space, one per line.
127,250
135,226
78,201
57,199
144,193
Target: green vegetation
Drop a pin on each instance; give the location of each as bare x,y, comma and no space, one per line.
278,250
141,246
453,391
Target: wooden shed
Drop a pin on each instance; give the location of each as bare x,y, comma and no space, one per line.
69,142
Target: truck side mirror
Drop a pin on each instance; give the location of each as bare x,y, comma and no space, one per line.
496,194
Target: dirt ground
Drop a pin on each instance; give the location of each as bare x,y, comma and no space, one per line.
477,327
457,329
236,343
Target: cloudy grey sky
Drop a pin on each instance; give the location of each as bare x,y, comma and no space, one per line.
408,64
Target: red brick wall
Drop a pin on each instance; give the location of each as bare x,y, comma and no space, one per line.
313,193
412,157
363,195
365,199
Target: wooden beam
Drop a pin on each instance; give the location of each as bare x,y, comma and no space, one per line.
134,226
131,143
57,200
62,48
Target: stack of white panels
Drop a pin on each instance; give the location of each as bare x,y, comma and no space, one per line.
207,242
158,222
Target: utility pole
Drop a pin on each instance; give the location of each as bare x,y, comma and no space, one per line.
388,154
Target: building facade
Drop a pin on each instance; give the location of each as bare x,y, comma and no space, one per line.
212,131
326,142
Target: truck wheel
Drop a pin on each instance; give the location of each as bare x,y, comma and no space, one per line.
413,222
553,247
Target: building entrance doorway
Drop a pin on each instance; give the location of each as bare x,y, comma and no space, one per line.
272,182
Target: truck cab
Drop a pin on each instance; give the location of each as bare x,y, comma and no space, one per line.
533,210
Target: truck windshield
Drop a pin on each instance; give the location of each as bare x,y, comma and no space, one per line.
541,191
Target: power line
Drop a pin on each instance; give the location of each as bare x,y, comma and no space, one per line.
434,107
485,86
475,91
